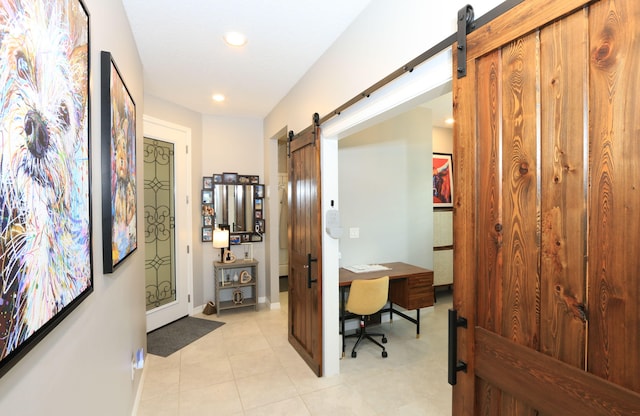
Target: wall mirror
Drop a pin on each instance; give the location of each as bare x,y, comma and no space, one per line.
235,201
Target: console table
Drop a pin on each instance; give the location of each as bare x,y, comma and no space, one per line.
235,284
409,286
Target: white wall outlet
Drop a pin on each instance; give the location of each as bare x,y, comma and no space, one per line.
354,232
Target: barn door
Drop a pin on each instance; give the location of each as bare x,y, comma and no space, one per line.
305,248
547,212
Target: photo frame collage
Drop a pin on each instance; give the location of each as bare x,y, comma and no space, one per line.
209,209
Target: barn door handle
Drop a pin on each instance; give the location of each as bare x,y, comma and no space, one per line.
455,365
308,267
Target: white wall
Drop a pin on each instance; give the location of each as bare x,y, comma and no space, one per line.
83,366
233,144
385,182
219,144
383,38
173,113
442,140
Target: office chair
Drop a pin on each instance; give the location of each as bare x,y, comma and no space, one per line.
367,297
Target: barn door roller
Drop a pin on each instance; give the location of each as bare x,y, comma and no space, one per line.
465,25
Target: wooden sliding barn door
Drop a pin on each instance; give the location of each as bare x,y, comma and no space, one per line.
547,211
305,248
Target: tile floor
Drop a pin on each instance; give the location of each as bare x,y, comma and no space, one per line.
248,368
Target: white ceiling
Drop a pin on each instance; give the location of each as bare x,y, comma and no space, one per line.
186,60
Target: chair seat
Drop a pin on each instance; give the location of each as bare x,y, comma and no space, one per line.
367,297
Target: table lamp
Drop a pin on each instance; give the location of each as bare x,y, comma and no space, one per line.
221,241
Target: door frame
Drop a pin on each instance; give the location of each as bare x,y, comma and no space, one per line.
180,136
427,80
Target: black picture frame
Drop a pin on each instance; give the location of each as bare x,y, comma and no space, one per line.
229,178
207,234
207,210
207,196
59,232
119,199
260,227
207,182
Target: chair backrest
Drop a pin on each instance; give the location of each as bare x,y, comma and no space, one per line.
368,296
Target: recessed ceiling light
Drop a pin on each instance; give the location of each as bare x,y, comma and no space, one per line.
235,39
218,98
449,121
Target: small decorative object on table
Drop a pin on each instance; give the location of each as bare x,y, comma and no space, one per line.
248,250
238,297
245,277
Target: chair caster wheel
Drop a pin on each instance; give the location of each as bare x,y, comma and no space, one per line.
384,340
384,354
354,354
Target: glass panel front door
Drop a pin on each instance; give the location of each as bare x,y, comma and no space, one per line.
159,213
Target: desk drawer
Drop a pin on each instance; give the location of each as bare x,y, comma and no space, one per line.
420,281
412,292
420,298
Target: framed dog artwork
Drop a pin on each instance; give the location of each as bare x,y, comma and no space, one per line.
45,210
119,207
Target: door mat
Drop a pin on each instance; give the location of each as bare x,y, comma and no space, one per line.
170,338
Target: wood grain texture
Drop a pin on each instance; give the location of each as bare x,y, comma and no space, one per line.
521,282
523,19
305,304
553,387
489,205
564,193
614,203
464,268
520,193
563,92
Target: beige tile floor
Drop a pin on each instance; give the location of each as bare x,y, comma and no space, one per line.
247,368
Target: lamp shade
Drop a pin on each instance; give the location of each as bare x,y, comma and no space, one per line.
220,238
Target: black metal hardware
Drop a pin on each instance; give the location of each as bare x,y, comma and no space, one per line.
316,124
455,365
291,136
308,267
465,25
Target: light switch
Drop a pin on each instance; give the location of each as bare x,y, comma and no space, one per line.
354,232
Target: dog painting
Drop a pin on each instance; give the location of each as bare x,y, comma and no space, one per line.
45,235
119,150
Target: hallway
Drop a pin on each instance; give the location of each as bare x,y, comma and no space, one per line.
248,368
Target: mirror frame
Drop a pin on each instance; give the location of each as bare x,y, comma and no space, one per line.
210,217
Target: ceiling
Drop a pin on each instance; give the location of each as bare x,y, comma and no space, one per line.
186,61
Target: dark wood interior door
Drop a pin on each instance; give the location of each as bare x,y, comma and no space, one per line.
547,211
305,248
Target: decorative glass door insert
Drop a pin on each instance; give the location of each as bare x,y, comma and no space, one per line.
159,213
